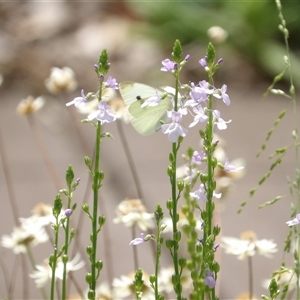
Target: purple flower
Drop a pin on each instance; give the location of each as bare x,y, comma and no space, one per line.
138,241
112,83
220,60
78,101
102,114
199,93
221,124
68,212
168,65
200,194
216,246
198,157
174,129
221,93
209,280
295,221
152,101
230,168
187,57
200,115
190,175
203,62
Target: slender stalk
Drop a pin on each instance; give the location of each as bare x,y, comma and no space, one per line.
107,237
13,276
174,197
135,176
66,249
79,225
210,182
250,269
9,182
5,273
47,158
210,170
295,136
130,161
135,255
95,208
158,217
54,260
15,213
32,262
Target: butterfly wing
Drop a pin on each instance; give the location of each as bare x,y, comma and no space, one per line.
132,91
145,120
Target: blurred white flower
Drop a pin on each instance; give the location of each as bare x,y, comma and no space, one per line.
217,34
131,212
117,105
61,81
181,223
123,287
22,238
103,292
248,245
245,296
42,216
165,279
44,272
30,105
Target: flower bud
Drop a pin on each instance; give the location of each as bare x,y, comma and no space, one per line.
89,250
88,278
99,265
68,212
177,236
64,258
169,204
86,208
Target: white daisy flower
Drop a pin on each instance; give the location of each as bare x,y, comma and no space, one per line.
24,237
61,80
131,212
42,216
248,245
30,105
43,273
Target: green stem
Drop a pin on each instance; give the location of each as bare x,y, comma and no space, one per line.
158,252
210,181
95,208
296,137
67,238
54,262
175,200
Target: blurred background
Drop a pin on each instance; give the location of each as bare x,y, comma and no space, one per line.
37,36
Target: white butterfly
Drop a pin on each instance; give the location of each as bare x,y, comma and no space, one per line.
145,120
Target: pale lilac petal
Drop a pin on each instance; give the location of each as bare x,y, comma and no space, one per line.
295,221
138,241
